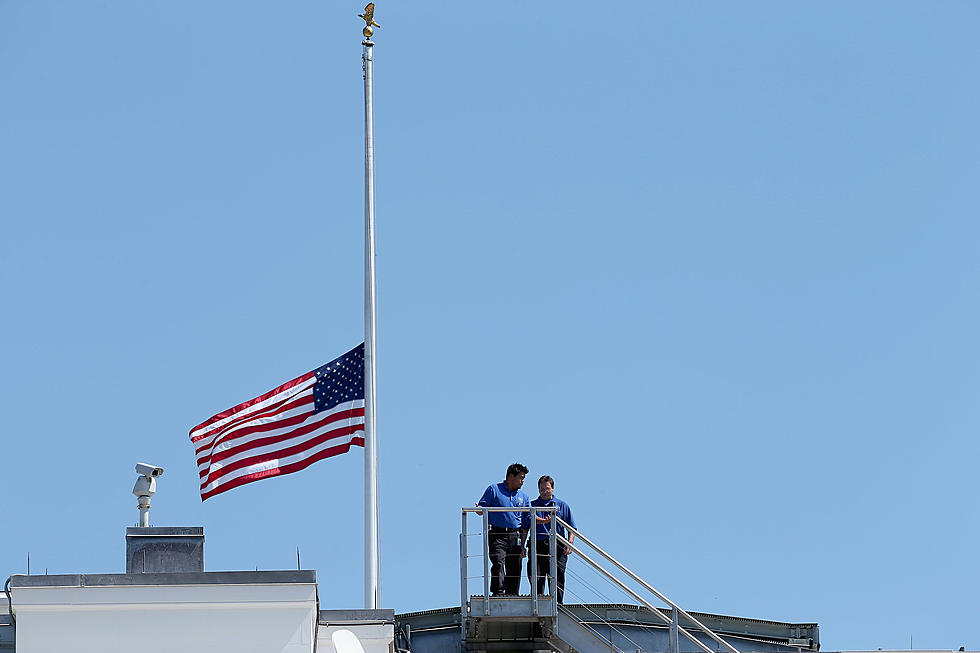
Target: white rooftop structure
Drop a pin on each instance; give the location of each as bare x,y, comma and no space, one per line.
202,612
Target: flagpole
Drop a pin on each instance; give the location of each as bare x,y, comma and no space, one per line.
372,573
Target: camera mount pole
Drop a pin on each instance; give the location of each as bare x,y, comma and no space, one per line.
145,488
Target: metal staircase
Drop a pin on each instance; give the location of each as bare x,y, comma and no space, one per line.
576,636
540,623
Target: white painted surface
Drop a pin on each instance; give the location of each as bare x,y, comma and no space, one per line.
374,637
188,618
346,642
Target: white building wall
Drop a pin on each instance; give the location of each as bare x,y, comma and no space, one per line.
190,618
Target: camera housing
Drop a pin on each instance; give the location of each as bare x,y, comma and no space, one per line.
149,471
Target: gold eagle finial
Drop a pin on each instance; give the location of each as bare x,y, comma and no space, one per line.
368,17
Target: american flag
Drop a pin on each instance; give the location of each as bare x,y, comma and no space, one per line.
312,417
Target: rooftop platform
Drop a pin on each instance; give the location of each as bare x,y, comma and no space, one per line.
628,627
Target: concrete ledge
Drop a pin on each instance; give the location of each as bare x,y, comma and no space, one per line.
191,578
164,531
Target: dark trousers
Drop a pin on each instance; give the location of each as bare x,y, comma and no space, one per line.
544,568
505,559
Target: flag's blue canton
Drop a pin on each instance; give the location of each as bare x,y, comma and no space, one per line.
340,380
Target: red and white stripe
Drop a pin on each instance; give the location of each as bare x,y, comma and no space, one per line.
273,434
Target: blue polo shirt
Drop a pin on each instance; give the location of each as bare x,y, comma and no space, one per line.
543,530
500,496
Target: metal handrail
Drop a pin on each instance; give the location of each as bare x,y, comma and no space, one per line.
511,509
649,606
660,595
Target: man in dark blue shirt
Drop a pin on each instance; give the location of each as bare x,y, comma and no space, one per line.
547,499
506,536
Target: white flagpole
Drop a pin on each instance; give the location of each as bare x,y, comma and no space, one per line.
372,572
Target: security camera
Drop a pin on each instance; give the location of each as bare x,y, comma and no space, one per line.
146,487
148,470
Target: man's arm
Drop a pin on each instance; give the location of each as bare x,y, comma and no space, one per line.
526,520
571,522
526,524
486,500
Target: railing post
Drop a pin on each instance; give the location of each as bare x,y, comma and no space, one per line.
486,563
533,562
463,581
674,642
553,561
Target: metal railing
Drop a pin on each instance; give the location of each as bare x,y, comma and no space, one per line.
676,611
596,618
464,557
555,539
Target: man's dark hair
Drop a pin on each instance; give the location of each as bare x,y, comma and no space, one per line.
516,469
548,479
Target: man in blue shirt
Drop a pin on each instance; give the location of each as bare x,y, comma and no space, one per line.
506,536
546,499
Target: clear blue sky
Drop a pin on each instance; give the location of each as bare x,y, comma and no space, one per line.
713,265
